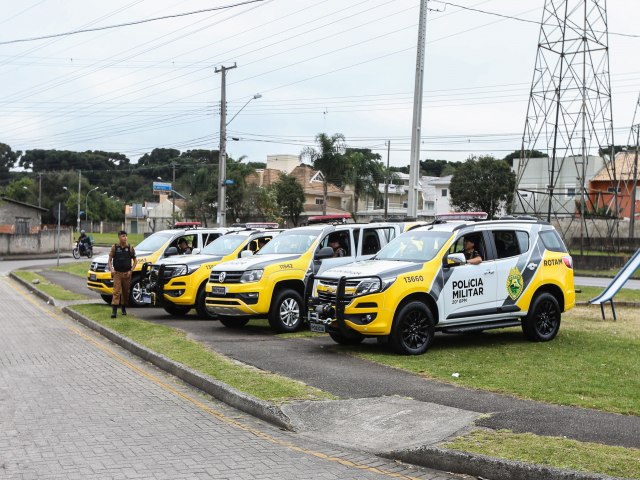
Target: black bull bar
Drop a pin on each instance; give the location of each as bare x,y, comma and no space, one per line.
335,309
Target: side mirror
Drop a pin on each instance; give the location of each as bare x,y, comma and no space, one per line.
324,252
170,251
246,253
454,259
195,251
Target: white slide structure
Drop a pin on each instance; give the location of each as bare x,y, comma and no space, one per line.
617,283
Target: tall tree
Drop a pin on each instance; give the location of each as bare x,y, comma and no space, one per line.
8,159
483,184
290,197
366,172
328,158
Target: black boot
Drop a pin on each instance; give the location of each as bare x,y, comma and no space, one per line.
124,310
114,311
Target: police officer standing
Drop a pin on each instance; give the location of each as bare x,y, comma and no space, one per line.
122,260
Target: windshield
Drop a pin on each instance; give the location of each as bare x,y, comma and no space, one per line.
414,246
224,245
154,242
298,241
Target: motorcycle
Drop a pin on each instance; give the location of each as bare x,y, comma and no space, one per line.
78,252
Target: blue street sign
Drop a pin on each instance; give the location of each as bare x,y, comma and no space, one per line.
229,181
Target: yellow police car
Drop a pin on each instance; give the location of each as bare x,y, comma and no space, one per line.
156,246
272,283
178,283
421,283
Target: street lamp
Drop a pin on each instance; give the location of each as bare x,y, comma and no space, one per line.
86,198
222,173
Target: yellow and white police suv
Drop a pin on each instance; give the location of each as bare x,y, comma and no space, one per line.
178,283
156,246
421,282
272,283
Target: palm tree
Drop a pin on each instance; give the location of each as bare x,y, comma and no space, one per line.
329,160
365,174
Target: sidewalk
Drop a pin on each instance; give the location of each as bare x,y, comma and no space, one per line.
392,427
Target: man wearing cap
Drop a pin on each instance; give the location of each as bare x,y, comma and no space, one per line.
122,260
470,253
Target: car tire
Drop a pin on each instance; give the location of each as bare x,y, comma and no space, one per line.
286,312
135,293
233,322
175,310
543,320
201,305
107,298
350,338
413,329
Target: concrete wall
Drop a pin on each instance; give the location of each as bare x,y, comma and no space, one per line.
39,243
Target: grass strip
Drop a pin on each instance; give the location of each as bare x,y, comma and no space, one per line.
79,269
51,289
173,344
551,451
623,295
591,363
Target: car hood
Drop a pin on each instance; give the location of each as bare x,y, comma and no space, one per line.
382,268
198,259
253,262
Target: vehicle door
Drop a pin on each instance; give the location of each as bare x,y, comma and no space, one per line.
511,245
469,290
346,242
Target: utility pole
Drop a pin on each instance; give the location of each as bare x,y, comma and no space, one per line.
634,185
79,179
386,182
222,173
414,163
40,189
173,195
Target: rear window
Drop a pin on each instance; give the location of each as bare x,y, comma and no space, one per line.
552,241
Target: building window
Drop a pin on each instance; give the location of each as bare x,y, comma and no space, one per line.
319,200
613,190
22,226
429,205
571,191
443,192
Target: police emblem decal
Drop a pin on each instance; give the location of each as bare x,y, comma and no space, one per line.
515,283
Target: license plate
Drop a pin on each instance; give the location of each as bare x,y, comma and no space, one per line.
146,298
317,327
219,290
92,276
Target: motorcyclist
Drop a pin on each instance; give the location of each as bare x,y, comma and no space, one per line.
84,242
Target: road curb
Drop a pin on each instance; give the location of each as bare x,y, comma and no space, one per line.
33,289
486,467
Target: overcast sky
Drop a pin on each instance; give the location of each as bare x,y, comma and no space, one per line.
329,66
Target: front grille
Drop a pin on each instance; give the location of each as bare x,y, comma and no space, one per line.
98,267
330,296
229,277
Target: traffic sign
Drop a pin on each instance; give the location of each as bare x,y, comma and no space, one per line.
229,181
161,188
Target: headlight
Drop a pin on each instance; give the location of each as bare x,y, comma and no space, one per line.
184,270
251,276
373,285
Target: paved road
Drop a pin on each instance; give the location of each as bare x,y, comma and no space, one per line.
318,362
73,405
603,282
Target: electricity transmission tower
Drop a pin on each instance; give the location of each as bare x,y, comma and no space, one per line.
569,120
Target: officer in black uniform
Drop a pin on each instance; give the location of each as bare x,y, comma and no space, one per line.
122,260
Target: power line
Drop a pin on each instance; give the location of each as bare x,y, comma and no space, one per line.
127,24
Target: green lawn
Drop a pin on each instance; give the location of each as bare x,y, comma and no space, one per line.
79,269
106,239
624,295
45,286
551,451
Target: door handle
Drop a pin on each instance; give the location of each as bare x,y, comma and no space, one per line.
489,272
